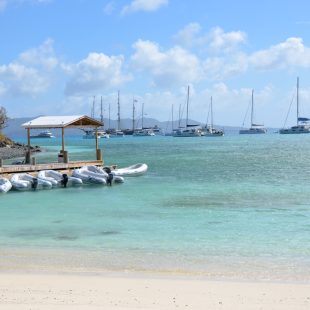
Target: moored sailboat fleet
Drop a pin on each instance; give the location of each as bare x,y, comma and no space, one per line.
193,130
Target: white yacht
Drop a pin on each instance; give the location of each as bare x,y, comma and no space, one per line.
43,134
158,131
189,130
255,128
116,133
144,132
209,130
302,125
91,134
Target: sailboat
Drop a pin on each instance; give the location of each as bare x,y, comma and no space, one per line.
255,128
143,131
117,133
91,133
189,130
209,130
302,125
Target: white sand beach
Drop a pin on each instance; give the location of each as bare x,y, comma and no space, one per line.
66,291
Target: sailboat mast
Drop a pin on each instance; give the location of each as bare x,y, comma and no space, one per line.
297,99
93,108
109,116
211,108
179,116
118,113
133,114
187,106
172,127
142,114
252,109
101,111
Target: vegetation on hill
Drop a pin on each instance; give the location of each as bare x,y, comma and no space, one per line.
3,118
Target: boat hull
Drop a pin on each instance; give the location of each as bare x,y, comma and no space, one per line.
5,185
295,130
253,131
131,171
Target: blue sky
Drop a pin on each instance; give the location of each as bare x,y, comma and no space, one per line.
55,55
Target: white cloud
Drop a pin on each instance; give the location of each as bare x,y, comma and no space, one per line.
221,68
96,72
168,68
109,8
20,80
42,56
3,4
216,40
188,36
289,53
143,5
220,40
30,73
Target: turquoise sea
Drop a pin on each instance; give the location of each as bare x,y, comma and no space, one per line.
235,207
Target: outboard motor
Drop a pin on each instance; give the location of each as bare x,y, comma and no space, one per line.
110,178
107,170
64,180
34,183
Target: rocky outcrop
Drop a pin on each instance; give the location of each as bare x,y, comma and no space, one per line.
10,149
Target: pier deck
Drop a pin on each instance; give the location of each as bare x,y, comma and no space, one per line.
10,169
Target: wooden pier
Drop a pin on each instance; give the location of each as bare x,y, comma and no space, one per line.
63,164
7,170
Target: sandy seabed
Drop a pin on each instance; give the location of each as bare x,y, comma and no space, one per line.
31,291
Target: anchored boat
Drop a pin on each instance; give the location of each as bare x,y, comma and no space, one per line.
58,179
131,171
302,125
24,181
255,128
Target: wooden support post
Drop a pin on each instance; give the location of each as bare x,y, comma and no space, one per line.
65,157
96,139
98,154
33,161
28,154
63,139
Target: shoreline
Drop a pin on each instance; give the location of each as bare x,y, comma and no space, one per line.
93,262
17,151
124,291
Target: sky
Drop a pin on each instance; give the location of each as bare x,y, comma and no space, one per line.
56,55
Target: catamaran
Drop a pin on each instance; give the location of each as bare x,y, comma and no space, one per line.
302,125
255,128
143,131
209,130
189,130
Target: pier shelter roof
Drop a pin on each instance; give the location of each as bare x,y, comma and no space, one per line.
71,121
62,122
